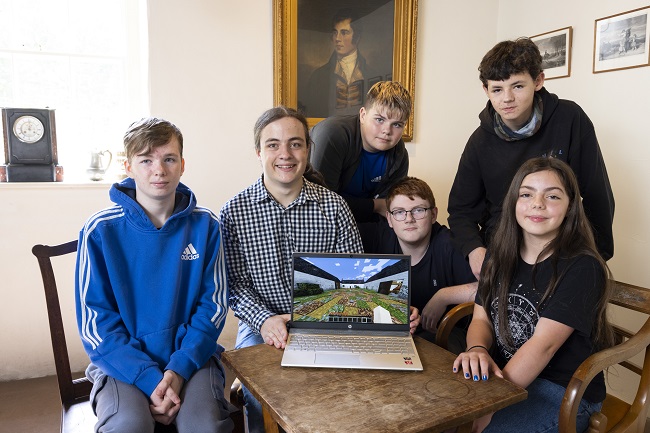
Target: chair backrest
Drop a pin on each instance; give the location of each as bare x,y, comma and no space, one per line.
449,321
71,390
616,415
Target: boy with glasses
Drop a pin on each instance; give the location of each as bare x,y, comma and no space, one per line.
440,275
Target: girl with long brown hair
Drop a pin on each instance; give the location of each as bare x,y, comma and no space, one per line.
541,303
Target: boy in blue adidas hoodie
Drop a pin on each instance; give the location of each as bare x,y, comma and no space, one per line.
151,295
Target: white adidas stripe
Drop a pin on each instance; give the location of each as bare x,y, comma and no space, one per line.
89,316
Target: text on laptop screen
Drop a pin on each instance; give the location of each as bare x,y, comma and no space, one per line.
349,289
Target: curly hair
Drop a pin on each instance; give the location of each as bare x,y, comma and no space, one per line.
508,58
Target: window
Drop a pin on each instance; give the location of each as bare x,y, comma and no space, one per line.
84,58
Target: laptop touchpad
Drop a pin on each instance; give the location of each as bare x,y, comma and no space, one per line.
336,359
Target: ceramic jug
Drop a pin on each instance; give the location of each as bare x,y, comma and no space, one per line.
99,163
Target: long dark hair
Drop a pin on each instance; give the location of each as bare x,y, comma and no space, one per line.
575,237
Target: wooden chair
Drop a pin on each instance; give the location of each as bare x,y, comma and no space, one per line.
76,412
449,321
615,415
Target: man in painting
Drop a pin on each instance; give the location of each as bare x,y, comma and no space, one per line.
339,86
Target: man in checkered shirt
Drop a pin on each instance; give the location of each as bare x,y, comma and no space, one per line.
264,224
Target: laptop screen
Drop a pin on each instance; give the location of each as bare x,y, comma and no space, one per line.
351,291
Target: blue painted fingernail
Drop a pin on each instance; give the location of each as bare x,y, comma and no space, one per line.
455,369
484,377
475,377
467,375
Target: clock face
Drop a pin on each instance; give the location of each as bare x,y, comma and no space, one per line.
28,129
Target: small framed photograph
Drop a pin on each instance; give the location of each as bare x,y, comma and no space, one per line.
621,41
555,48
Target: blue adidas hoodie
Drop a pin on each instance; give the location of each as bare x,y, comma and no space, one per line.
150,300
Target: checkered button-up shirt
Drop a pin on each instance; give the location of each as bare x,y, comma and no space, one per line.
260,236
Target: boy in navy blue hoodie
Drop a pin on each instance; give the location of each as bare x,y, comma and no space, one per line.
151,295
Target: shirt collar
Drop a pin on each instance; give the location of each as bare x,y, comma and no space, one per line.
350,59
259,193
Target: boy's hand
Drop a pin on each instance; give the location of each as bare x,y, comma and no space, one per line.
165,400
414,319
379,206
476,258
432,314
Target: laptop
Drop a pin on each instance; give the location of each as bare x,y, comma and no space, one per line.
351,311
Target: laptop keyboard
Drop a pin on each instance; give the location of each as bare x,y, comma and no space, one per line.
352,343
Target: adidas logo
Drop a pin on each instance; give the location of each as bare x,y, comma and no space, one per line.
376,179
189,253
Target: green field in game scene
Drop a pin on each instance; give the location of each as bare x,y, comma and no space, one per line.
348,302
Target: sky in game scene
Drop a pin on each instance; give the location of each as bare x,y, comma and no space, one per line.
351,268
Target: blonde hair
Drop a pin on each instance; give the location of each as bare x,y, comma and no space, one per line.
392,96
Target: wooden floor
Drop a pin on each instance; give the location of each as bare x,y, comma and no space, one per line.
30,405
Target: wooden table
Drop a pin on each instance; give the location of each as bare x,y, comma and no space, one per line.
354,401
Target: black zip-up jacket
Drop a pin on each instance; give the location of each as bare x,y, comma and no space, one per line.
336,153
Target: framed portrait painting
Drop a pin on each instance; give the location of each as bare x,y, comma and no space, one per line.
621,41
328,54
555,48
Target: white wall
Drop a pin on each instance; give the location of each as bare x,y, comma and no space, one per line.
211,73
32,214
324,283
452,39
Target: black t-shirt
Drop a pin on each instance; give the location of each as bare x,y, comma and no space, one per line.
574,304
441,266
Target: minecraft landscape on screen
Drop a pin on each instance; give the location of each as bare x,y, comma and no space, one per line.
359,290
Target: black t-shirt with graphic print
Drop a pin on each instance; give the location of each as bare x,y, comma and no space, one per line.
574,304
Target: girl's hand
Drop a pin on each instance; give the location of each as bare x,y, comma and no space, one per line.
476,364
480,424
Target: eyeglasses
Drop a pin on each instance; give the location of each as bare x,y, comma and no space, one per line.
417,212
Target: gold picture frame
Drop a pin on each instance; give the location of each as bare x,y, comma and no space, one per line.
285,49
